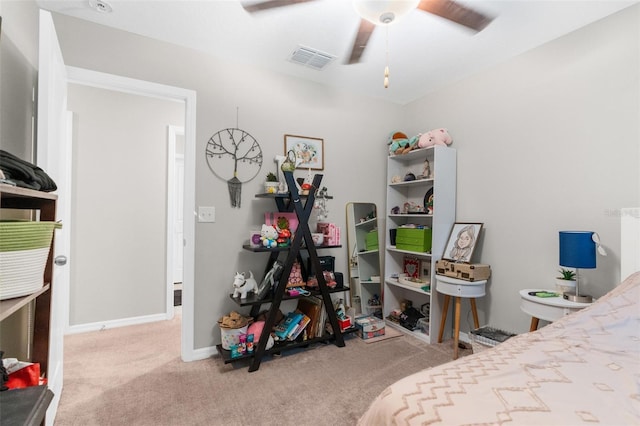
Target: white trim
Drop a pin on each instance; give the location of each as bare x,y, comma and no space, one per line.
125,84
204,353
103,325
188,97
189,217
172,132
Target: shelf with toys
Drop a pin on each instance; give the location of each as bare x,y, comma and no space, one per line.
421,205
276,294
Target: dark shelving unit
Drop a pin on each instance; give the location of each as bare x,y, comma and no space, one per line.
290,202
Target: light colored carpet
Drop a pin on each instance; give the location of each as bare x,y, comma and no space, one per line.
134,376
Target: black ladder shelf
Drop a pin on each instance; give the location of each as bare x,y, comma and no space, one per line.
291,202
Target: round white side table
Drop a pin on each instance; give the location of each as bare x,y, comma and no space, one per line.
546,308
458,289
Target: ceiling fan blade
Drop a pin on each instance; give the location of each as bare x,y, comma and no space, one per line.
457,13
362,38
270,4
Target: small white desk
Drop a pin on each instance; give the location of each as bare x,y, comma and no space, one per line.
546,308
458,289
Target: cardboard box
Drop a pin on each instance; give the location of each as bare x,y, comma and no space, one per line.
369,326
413,239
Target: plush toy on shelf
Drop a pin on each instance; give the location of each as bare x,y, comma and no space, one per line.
435,137
269,236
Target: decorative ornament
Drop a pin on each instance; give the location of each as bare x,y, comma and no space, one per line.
234,155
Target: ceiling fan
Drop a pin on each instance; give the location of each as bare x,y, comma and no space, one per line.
383,12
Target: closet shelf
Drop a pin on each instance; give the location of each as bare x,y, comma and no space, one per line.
9,306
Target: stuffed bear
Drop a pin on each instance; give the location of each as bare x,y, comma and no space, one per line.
269,235
435,137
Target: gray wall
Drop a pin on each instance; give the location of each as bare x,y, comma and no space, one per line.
270,105
18,76
548,141
119,206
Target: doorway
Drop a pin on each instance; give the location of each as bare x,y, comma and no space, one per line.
119,292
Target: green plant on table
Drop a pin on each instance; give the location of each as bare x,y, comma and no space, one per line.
567,274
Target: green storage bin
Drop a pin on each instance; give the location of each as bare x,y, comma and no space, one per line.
371,240
413,239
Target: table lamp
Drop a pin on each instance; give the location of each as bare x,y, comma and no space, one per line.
578,250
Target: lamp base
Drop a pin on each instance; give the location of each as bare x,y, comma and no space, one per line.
572,297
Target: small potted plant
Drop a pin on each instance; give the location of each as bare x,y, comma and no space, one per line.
271,184
566,282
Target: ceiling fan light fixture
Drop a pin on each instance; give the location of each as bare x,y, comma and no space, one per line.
100,6
384,12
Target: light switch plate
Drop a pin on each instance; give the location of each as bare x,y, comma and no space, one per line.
206,214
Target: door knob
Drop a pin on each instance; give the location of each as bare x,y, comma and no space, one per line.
60,260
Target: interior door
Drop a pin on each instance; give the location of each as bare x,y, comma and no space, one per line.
176,173
53,155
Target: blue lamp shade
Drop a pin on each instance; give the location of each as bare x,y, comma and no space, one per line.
577,249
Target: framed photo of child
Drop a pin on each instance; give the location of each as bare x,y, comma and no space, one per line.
462,242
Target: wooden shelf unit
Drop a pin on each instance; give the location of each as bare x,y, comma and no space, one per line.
32,401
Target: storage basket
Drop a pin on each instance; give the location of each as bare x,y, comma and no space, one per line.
24,250
231,336
490,336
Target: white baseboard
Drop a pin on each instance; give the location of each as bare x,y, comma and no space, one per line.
201,353
103,325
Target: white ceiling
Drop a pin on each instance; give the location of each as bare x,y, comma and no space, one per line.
425,51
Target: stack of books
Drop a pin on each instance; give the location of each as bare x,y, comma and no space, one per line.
292,326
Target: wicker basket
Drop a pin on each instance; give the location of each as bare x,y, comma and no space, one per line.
24,249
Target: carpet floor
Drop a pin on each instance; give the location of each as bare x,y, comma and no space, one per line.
134,376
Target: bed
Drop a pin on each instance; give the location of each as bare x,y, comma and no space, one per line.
581,369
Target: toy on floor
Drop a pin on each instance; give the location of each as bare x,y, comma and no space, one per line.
242,285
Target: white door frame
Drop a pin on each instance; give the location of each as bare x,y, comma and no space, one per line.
145,88
172,199
54,155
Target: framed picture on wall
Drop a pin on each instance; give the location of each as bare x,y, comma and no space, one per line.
462,241
309,150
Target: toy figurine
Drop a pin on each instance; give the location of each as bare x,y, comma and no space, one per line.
242,285
269,235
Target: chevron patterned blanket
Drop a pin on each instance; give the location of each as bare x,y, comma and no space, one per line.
582,369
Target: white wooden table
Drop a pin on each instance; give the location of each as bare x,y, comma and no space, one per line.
458,289
546,308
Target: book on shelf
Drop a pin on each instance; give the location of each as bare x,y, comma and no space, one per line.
311,307
322,319
287,325
302,324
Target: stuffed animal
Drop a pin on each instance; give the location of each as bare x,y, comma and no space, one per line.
242,285
268,236
397,142
435,137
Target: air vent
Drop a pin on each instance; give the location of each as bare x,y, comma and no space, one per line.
311,58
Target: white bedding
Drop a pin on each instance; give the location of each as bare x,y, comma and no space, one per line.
582,369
